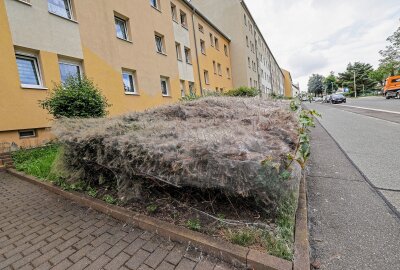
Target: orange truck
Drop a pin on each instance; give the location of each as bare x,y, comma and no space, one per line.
391,89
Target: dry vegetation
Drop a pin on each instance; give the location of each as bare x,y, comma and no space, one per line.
234,145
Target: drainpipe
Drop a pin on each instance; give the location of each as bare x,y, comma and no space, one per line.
197,53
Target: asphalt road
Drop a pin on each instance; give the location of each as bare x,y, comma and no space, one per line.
368,131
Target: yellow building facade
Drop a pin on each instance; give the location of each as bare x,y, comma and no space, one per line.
141,54
288,84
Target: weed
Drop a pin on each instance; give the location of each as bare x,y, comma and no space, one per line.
91,192
109,199
285,175
194,224
152,208
244,237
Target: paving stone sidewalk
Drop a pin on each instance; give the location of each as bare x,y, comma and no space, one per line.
41,230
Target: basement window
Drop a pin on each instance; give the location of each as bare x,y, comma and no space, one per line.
23,134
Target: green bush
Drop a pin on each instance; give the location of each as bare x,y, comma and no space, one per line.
76,98
243,92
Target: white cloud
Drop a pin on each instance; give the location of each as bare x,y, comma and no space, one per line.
319,36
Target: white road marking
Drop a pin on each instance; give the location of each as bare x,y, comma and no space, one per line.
364,108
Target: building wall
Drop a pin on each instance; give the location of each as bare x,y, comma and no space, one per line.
92,41
217,82
233,18
288,84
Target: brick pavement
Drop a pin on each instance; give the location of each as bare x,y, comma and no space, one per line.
41,230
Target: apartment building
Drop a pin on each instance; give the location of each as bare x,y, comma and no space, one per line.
140,53
288,83
253,63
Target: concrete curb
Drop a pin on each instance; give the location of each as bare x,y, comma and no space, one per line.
230,253
301,242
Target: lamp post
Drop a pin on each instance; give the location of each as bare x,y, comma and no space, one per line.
355,86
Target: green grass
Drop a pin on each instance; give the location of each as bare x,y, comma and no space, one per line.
194,224
36,162
244,237
280,243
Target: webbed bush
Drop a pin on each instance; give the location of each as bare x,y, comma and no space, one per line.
237,146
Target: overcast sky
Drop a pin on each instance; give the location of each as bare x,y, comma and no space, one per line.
319,36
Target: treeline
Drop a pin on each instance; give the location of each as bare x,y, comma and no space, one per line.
367,79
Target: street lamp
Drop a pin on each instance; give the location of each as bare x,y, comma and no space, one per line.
355,86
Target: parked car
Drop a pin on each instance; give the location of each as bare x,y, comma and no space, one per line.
338,98
392,87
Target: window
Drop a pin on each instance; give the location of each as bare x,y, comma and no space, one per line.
251,82
219,70
69,69
128,79
226,50
202,46
155,4
165,86
228,73
159,43
216,43
183,90
191,88
174,13
247,41
215,67
248,60
27,133
28,69
60,7
206,77
178,51
120,28
188,56
201,28
212,40
184,19
245,19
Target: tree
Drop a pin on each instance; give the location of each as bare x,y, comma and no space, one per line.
330,83
362,74
379,75
76,98
316,84
390,60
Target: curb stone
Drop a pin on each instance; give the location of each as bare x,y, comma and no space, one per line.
230,253
301,242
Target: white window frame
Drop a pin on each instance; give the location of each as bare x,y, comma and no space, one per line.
212,39
133,74
226,50
125,21
188,55
216,43
69,7
27,130
161,38
157,4
166,80
174,12
184,23
219,67
183,88
71,63
203,46
35,58
206,77
178,50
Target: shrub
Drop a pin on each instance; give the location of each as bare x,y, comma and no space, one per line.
76,98
243,92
